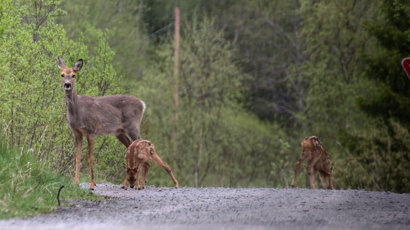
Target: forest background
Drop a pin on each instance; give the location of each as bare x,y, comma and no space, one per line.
255,78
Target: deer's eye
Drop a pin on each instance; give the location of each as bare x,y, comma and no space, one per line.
73,75
62,75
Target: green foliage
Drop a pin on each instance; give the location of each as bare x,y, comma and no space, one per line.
29,187
268,45
218,143
381,160
386,151
123,28
334,41
392,32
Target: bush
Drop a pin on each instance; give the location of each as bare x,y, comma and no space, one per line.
30,187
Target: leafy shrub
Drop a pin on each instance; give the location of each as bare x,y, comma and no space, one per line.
29,187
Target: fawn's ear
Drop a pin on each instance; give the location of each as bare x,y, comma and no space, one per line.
151,148
78,65
61,64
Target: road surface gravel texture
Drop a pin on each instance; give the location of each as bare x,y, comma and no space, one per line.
226,208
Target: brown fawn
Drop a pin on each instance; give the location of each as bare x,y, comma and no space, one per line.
318,160
89,116
137,155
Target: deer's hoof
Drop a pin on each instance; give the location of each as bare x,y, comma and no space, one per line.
131,186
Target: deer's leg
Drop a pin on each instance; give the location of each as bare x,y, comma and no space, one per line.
302,158
90,140
124,139
164,165
146,167
78,150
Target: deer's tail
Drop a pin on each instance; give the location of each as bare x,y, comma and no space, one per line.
143,106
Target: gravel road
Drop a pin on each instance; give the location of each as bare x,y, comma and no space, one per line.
226,208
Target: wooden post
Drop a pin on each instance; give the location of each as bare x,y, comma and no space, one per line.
176,78
176,59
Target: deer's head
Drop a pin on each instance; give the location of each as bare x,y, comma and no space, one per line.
68,74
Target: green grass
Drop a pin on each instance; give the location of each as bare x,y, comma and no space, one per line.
29,187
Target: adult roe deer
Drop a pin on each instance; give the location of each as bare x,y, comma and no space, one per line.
137,155
89,116
318,160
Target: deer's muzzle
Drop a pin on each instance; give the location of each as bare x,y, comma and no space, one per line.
67,86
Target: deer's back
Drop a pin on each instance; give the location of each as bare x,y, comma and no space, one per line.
129,106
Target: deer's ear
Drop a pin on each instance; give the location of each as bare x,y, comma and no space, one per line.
78,65
61,64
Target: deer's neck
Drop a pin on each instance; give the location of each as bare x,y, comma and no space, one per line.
71,100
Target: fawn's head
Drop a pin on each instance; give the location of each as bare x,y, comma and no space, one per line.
68,74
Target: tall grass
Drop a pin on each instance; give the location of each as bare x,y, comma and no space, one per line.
29,187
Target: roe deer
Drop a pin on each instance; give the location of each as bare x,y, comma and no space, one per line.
137,155
89,116
318,160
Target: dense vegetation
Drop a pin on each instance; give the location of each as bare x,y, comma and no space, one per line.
255,78
30,187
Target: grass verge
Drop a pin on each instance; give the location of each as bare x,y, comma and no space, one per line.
29,187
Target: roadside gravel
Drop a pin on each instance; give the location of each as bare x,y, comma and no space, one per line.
226,208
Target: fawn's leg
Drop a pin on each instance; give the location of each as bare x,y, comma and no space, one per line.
310,168
328,169
90,140
125,184
302,158
146,167
137,182
330,181
324,179
164,165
